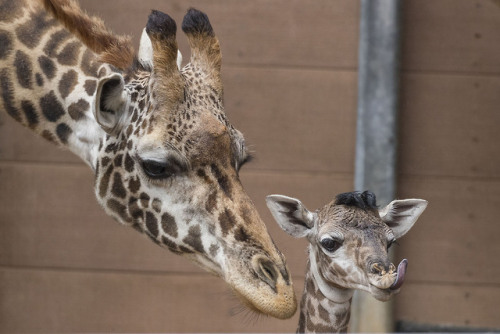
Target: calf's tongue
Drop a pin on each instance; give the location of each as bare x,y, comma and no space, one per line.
400,275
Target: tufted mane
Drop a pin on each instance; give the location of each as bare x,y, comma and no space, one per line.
116,50
364,200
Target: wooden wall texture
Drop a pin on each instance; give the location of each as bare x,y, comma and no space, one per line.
290,72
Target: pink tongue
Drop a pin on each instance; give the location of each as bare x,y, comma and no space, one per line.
401,275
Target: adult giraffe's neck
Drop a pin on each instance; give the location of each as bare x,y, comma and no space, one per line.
323,309
48,78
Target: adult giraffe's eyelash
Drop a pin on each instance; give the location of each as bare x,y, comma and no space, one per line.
247,159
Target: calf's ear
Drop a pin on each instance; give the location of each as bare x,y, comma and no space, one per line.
400,215
291,215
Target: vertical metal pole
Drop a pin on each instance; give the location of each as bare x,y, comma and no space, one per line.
375,166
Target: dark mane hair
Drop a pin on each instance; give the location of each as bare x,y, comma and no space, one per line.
364,200
113,49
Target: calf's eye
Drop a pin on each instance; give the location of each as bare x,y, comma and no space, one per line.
330,244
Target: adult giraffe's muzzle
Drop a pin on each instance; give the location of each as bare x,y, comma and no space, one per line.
262,282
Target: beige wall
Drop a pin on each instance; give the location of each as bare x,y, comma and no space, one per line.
290,71
450,155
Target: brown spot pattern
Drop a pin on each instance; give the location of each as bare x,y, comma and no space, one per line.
311,312
193,239
30,32
89,64
118,189
156,205
90,87
134,184
10,10
78,109
48,67
55,40
30,113
39,79
144,199
118,160
241,235
129,163
169,225
103,186
52,109
24,70
338,270
119,209
170,245
5,42
222,179
69,54
226,221
152,224
213,250
68,82
7,92
63,131
323,314
211,203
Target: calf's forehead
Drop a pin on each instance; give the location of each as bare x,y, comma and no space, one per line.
350,218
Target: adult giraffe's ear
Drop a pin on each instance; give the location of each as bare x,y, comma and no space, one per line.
111,103
292,216
400,215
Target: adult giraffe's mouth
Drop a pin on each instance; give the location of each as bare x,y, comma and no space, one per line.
400,275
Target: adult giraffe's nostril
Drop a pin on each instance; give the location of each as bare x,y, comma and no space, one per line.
266,270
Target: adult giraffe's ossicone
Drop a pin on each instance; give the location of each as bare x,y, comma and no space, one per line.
165,157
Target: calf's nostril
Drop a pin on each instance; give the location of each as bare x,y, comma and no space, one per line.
375,268
379,268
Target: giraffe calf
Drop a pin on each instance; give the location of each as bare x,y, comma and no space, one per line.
349,240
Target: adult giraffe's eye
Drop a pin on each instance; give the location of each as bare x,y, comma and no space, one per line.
170,165
330,244
157,170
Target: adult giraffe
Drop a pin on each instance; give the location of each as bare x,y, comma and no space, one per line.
165,157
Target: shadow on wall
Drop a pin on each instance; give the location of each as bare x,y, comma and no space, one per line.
411,327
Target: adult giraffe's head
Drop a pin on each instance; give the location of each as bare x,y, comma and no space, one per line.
169,159
349,240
